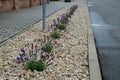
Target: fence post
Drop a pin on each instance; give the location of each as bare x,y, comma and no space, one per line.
44,14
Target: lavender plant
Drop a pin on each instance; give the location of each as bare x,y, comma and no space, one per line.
55,35
47,47
72,9
63,19
34,58
62,26
36,65
60,22
47,40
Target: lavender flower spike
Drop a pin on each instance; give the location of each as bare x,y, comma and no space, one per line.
54,22
32,46
36,48
49,64
58,19
23,50
30,53
19,60
42,57
26,59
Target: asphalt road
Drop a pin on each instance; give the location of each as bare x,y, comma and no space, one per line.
105,20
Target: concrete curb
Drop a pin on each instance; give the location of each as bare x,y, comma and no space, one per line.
94,67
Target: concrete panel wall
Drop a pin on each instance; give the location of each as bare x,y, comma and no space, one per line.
35,2
6,5
1,6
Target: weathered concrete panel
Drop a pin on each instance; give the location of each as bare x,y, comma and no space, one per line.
0,6
7,5
18,4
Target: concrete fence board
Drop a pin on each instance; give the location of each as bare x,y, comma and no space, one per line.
7,5
1,6
18,4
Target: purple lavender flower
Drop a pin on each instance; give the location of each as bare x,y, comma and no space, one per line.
51,54
48,64
23,50
63,15
23,54
36,48
58,19
42,57
52,58
54,24
47,56
30,53
32,46
62,18
26,58
19,60
20,55
48,61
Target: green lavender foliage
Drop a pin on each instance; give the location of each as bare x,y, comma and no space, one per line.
62,26
55,35
47,47
35,65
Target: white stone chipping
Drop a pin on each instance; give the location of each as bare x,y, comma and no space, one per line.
71,51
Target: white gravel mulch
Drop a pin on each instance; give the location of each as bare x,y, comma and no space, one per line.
71,57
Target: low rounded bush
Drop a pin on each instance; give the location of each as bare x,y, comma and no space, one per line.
55,35
62,26
47,48
36,65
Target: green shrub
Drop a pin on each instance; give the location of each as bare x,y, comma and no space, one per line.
62,26
35,65
55,35
47,48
